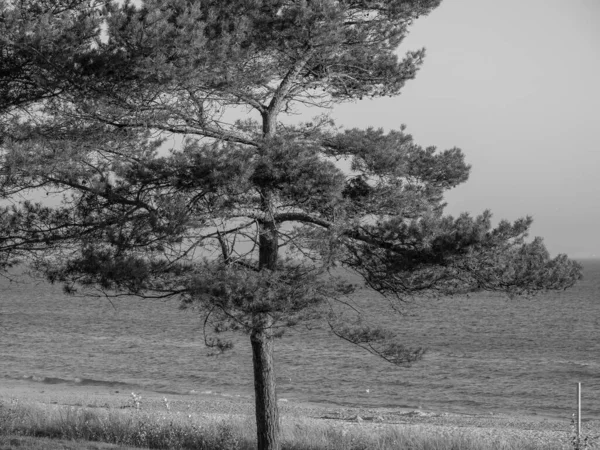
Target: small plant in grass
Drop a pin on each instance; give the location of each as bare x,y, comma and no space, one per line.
580,442
226,438
135,401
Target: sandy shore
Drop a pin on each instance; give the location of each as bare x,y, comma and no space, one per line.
496,426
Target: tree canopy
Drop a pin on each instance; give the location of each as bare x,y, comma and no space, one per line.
252,216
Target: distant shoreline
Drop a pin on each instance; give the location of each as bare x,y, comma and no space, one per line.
61,391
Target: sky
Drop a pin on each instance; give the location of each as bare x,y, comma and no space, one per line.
515,85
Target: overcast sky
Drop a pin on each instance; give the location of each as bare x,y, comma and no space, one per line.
516,85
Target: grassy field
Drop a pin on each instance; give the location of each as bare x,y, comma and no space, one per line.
33,425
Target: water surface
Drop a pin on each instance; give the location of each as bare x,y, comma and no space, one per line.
486,353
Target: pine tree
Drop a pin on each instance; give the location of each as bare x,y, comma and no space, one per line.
253,218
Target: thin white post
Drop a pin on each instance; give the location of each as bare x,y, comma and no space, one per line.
578,412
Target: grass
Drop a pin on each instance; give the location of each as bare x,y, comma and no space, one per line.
33,443
35,426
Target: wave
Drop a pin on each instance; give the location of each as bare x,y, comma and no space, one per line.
157,388
77,381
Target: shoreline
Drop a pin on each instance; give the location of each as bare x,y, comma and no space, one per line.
43,389
210,405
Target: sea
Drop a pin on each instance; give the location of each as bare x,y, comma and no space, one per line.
486,353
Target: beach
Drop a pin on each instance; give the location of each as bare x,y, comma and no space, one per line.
207,406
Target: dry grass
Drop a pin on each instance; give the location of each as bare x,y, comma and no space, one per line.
322,436
25,425
125,427
33,443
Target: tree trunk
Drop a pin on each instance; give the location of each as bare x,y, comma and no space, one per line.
267,413
261,337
